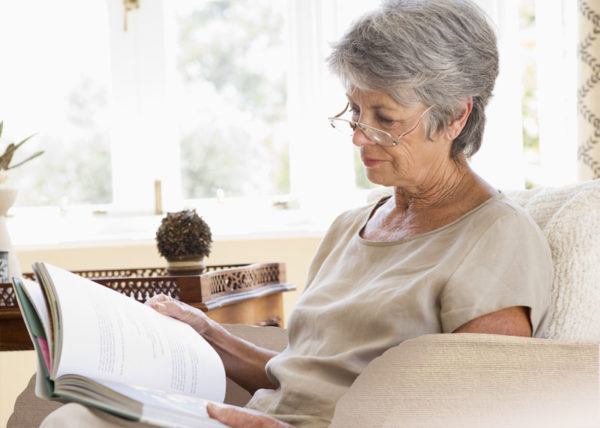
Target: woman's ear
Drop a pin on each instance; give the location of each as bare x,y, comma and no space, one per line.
456,126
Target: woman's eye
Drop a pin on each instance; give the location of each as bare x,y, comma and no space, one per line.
354,112
385,121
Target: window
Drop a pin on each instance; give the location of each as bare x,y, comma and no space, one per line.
55,80
225,102
230,97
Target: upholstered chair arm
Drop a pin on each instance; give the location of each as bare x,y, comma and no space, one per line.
476,380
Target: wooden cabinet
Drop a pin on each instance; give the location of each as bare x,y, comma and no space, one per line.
233,294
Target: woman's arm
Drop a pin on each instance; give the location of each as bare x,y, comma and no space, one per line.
513,321
244,362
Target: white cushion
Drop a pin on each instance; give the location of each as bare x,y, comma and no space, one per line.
569,216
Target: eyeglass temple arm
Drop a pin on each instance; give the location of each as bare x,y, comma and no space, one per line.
416,124
342,112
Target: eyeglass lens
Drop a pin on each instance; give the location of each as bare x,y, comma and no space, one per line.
372,134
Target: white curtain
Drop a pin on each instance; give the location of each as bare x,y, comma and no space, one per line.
143,148
500,159
321,163
556,41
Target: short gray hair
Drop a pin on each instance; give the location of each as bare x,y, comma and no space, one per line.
439,52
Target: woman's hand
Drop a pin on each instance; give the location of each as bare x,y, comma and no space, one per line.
244,362
183,312
237,417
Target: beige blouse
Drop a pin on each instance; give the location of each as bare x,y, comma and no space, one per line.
364,297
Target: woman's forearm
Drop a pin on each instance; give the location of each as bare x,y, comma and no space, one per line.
244,362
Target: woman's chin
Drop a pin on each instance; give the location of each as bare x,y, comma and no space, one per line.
376,178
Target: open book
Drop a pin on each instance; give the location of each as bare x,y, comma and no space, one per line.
101,348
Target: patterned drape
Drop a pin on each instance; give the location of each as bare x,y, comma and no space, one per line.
588,153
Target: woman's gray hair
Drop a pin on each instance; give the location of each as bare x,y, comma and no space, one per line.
439,52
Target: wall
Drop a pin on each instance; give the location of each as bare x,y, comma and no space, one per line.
17,367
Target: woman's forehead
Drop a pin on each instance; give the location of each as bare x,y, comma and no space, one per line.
372,99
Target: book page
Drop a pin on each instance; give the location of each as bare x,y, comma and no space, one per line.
107,335
35,328
37,299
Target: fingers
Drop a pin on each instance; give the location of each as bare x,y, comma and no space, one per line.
174,308
166,305
159,298
237,417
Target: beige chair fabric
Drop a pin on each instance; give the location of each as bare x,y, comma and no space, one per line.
473,380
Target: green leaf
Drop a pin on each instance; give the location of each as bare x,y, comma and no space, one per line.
35,155
23,141
1,126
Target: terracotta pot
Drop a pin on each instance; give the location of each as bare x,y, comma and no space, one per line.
191,265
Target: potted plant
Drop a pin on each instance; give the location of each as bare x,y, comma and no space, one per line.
184,239
7,157
8,195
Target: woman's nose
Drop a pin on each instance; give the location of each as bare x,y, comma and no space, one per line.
359,138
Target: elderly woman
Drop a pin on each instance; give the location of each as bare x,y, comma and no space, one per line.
445,253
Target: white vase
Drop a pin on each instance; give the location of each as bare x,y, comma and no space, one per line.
8,196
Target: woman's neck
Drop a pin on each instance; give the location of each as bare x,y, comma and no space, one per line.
439,188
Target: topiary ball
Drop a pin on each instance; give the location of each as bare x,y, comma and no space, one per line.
183,235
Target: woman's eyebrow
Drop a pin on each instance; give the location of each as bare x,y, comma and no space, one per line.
380,107
373,106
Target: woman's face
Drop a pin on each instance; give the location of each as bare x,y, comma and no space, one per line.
411,163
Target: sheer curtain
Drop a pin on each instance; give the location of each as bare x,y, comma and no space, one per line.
142,148
500,159
556,39
321,163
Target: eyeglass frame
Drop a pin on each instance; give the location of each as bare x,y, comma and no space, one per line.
354,124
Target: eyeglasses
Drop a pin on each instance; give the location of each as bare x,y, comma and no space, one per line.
376,135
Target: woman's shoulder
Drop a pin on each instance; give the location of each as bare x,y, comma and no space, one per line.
501,218
501,207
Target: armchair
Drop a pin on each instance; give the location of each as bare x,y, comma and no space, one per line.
474,380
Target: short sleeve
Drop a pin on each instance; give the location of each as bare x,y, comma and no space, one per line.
510,264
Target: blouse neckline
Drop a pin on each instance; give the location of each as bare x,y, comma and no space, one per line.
379,203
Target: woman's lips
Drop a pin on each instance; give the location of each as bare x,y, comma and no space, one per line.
369,163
